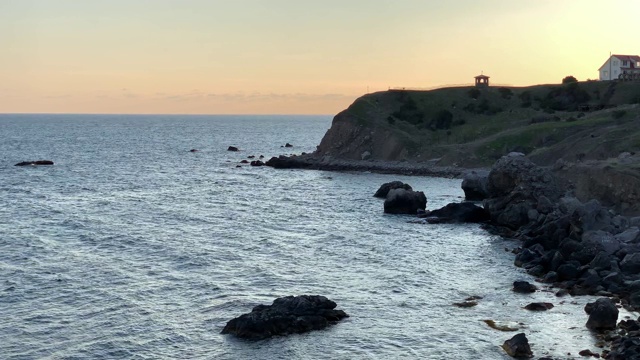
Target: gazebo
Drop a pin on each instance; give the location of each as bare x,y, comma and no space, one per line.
482,80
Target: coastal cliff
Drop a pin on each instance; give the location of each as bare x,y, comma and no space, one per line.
588,132
473,127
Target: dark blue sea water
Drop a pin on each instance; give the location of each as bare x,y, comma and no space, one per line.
132,247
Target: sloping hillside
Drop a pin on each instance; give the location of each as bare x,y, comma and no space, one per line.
473,127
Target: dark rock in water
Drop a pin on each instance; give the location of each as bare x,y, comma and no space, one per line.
474,186
386,187
34,163
460,213
261,156
238,166
603,314
401,201
524,287
244,161
539,306
256,163
193,150
287,315
288,145
285,162
251,156
232,148
588,352
518,346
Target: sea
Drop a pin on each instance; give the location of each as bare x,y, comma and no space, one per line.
133,247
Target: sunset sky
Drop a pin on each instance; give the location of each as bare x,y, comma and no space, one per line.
289,56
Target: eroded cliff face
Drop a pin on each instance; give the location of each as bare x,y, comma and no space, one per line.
614,183
349,140
362,132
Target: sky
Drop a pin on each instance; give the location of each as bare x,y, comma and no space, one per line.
289,56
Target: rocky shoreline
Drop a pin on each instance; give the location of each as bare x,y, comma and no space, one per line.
580,248
328,163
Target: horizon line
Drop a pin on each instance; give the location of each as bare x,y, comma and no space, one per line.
147,114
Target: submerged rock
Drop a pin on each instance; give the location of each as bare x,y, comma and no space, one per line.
287,315
518,346
34,163
384,189
401,201
256,163
539,306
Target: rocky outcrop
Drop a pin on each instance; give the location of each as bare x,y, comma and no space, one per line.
518,346
581,247
402,201
603,314
232,148
516,186
386,187
287,315
474,185
35,163
256,163
457,213
329,163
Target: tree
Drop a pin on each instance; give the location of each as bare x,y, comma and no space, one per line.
569,79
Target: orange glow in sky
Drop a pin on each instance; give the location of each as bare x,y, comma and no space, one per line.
289,56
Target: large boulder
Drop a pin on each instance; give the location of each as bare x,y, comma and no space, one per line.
401,201
386,187
518,346
515,186
287,315
474,185
603,314
465,212
35,163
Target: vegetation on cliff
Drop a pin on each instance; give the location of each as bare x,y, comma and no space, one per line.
473,127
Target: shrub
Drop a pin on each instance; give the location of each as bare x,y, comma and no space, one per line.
474,93
525,97
569,79
617,114
391,120
442,120
506,93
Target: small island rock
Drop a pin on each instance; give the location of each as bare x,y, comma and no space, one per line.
386,187
34,163
401,201
232,148
287,315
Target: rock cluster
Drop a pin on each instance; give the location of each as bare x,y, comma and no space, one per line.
581,247
287,315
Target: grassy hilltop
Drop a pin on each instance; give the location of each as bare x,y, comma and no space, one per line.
472,127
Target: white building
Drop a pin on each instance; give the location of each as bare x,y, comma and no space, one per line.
622,67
